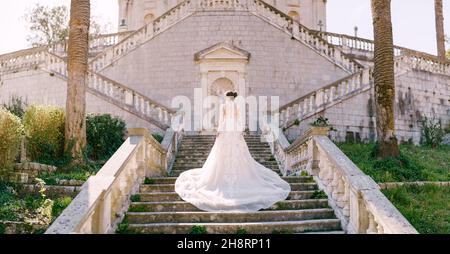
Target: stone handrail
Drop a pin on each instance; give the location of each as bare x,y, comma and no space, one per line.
316,101
105,197
96,44
304,35
22,60
325,97
354,196
363,44
117,94
222,4
101,86
135,39
258,7
424,63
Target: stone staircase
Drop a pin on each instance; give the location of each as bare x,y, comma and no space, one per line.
158,209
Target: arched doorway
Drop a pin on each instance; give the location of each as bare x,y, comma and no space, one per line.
294,15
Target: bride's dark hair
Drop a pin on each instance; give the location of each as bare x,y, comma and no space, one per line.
232,94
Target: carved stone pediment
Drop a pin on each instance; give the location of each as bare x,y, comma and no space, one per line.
222,51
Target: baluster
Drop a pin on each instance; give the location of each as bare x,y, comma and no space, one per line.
372,229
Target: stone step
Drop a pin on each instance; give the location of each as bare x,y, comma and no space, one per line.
205,154
171,187
324,232
173,196
208,149
186,166
209,217
177,171
232,228
196,162
148,188
197,142
182,206
203,158
289,179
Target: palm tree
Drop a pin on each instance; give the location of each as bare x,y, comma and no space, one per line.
440,36
75,129
384,78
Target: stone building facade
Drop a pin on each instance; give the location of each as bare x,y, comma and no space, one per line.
274,48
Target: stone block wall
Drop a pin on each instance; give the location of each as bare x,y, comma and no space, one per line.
40,88
419,94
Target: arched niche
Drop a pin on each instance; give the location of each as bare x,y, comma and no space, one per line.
220,86
149,18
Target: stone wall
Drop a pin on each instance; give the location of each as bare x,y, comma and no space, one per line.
164,67
419,94
40,88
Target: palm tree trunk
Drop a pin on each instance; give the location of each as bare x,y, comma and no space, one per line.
384,78
75,129
440,35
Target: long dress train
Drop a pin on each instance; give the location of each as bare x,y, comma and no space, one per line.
231,180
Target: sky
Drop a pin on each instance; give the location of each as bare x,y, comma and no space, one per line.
413,20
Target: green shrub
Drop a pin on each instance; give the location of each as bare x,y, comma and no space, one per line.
241,231
198,230
319,194
59,205
432,132
105,134
44,130
16,106
158,137
11,131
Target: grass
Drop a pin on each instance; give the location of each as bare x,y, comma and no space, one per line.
53,178
59,205
319,194
21,208
241,231
198,230
426,207
77,171
139,209
149,181
416,163
135,198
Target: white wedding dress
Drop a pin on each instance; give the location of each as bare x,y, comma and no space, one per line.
231,180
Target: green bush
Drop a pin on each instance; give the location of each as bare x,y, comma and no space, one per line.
432,132
11,131
105,134
16,106
59,205
44,129
198,230
158,137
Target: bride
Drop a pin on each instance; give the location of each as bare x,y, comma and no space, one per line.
231,180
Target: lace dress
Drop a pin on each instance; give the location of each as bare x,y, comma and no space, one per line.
231,180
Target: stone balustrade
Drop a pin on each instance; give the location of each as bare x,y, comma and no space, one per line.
142,35
354,196
130,100
96,44
303,34
325,97
27,59
104,198
116,93
361,44
222,4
